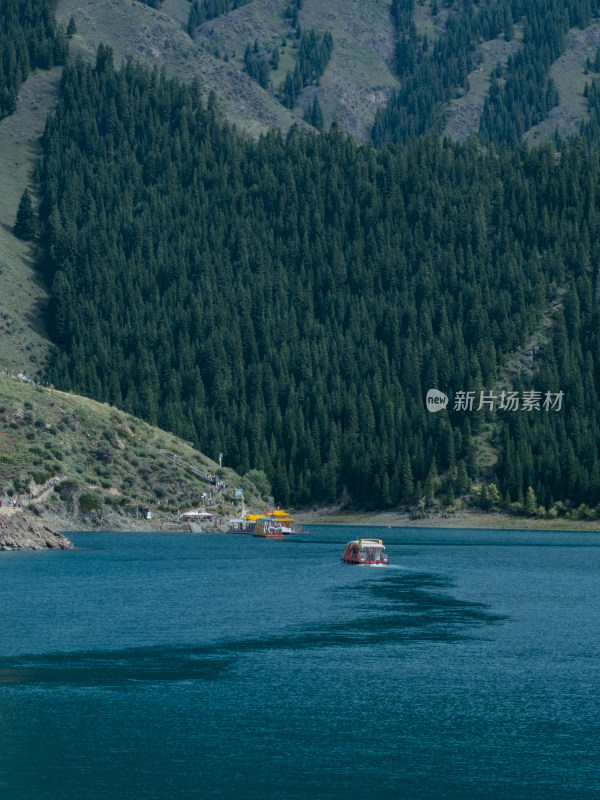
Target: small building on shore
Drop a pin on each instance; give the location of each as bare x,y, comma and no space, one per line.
197,515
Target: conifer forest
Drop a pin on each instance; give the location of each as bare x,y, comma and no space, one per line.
289,300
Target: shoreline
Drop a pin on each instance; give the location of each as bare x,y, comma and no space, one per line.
18,531
474,520
461,519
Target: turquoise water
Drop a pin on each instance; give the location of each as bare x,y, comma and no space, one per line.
200,666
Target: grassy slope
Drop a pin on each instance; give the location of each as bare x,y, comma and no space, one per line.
359,76
124,461
463,113
358,79
23,344
159,38
570,80
568,74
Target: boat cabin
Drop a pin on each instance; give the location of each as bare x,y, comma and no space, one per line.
244,524
365,551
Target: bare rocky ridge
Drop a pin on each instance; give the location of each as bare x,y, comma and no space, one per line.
19,532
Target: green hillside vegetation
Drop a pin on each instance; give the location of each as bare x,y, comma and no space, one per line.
435,58
72,458
29,39
290,301
203,10
443,50
357,79
159,37
521,92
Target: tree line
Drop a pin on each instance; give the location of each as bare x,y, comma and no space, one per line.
314,54
202,10
29,39
521,94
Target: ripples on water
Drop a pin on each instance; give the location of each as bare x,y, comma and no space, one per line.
398,608
139,668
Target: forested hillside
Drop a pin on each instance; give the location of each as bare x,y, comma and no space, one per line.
521,92
289,301
29,38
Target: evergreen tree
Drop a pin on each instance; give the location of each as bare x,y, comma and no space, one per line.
530,506
314,115
25,221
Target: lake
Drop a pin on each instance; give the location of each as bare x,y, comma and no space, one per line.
211,666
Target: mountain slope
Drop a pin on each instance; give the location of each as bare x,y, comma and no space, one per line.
293,300
77,463
23,296
358,79
345,229
157,39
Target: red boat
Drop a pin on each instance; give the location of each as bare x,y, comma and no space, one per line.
366,551
267,528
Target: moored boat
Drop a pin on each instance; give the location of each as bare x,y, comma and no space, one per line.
245,524
267,528
370,552
270,525
284,522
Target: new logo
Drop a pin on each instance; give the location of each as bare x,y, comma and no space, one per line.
436,400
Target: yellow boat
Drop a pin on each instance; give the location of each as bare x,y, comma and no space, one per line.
276,524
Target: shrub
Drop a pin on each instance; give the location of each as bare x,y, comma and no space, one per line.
66,489
90,502
41,477
104,455
259,479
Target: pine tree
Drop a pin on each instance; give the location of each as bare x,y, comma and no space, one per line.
314,115
25,221
530,506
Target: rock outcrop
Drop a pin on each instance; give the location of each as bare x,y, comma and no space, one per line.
19,532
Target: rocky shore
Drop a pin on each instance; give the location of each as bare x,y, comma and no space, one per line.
20,532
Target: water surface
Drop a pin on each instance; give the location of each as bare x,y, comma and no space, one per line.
200,666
